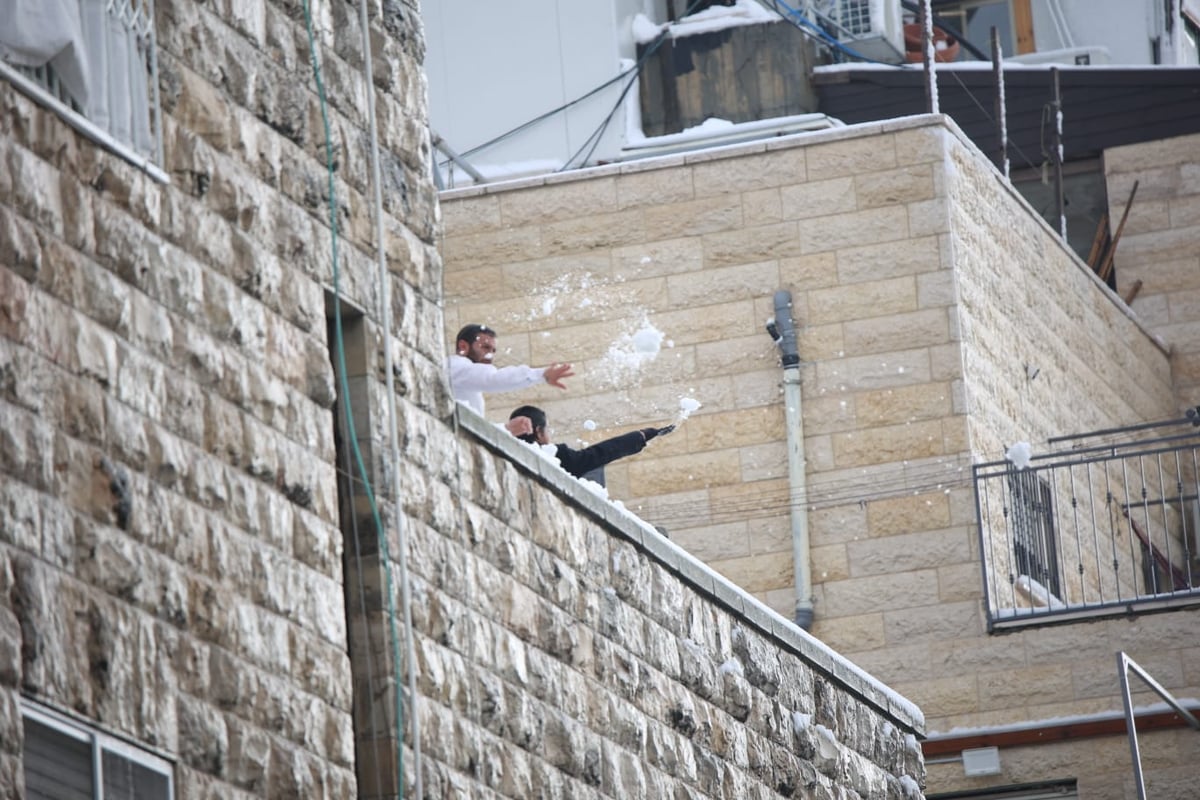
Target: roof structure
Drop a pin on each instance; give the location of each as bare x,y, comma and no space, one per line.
1102,106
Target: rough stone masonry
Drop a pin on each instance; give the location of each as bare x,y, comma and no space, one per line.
173,571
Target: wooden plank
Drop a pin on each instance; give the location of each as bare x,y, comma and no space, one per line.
1133,291
1023,19
1098,242
1107,265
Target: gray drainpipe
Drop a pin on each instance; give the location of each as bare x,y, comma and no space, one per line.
783,331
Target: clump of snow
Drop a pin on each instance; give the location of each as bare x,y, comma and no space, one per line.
718,18
589,425
911,788
1019,454
629,353
731,666
800,721
1039,596
594,488
710,125
645,31
647,340
686,406
546,451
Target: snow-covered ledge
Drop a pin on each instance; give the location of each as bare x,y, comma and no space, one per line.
697,574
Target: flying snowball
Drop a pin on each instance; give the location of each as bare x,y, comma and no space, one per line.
1019,454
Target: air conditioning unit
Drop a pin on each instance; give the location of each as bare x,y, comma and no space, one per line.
871,28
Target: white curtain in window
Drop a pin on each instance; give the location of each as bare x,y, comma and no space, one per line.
36,33
117,42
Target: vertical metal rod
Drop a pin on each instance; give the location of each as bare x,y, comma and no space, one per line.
1093,499
1058,155
385,317
1195,537
1148,549
1000,109
1078,538
925,17
1130,725
982,501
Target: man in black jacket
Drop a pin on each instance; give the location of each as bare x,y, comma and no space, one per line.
582,462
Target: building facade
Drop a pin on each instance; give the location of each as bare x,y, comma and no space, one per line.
246,548
940,322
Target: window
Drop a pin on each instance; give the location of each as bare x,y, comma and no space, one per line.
94,63
65,760
1035,553
974,19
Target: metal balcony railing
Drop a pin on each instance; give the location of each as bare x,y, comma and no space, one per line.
1094,531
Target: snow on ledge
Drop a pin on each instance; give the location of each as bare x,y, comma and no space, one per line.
714,18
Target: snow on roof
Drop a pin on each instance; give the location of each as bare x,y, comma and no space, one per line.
714,18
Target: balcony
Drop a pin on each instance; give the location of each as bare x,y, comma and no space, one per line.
1096,530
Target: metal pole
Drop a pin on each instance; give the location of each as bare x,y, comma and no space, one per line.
927,57
1058,156
1124,664
1001,111
385,318
440,144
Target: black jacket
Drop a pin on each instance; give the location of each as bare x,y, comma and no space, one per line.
579,462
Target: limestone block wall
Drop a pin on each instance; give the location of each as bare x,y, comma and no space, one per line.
170,556
568,650
852,223
1048,349
1160,246
926,295
184,564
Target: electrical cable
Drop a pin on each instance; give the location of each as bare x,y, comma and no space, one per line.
345,388
809,28
636,70
987,114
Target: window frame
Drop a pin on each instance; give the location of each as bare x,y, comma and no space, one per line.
68,111
99,743
1034,536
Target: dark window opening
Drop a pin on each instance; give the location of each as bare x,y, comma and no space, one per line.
1035,551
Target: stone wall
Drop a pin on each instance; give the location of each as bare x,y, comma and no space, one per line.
569,650
170,555
927,294
187,563
1159,250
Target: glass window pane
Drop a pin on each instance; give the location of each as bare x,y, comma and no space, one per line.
57,766
125,779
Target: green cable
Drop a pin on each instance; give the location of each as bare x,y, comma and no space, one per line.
345,386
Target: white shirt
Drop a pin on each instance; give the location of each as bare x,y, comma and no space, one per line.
469,380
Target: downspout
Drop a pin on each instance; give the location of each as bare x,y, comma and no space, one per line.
783,331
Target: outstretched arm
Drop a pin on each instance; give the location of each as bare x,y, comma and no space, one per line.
580,462
468,376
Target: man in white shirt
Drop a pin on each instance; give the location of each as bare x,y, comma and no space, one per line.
472,372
